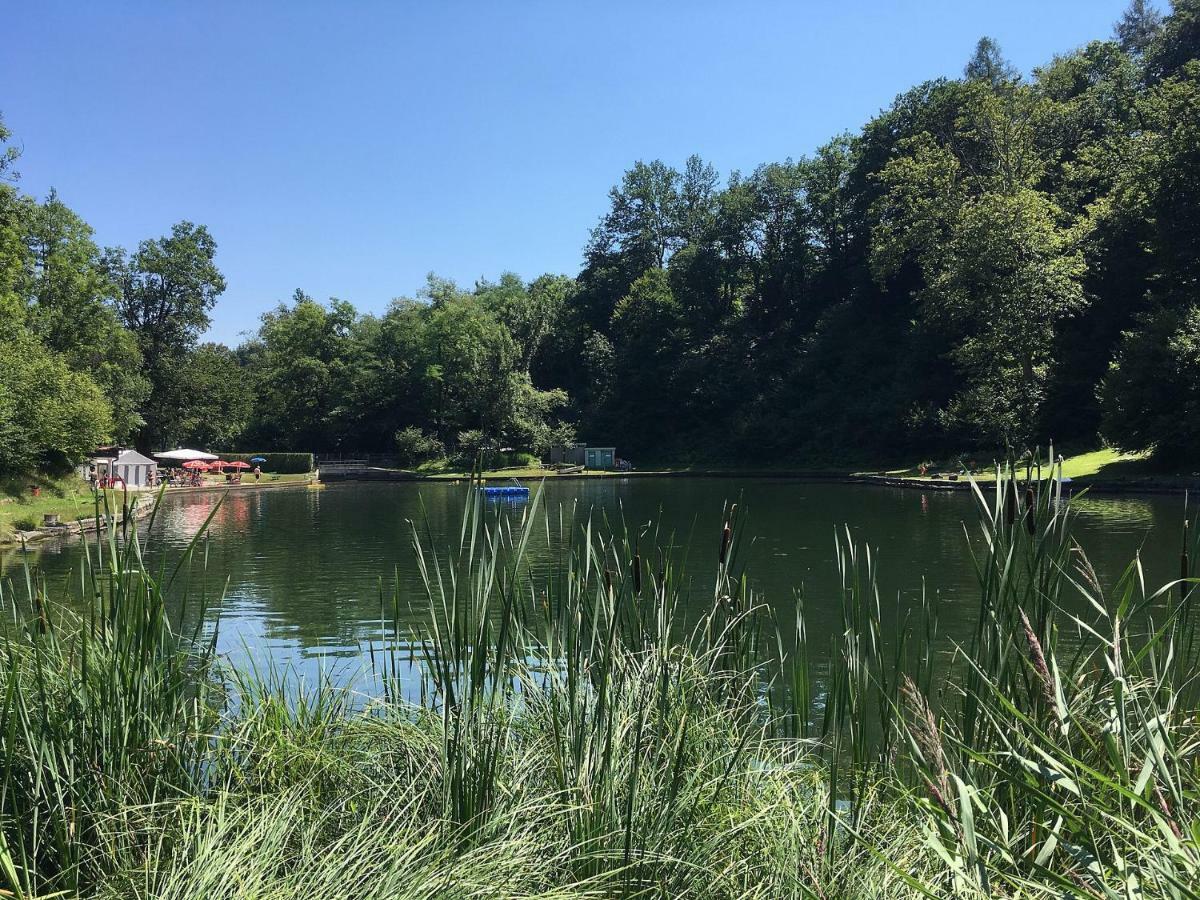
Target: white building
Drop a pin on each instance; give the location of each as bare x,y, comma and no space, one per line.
135,470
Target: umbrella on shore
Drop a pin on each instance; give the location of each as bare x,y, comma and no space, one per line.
258,459
236,465
197,465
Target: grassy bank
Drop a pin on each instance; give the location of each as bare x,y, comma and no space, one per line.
568,735
1106,464
69,498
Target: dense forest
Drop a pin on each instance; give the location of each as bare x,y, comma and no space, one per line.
992,261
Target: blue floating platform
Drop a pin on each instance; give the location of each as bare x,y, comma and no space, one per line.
511,490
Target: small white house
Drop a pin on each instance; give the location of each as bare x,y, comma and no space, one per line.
135,470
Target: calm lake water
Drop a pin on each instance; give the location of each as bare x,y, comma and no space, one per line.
304,566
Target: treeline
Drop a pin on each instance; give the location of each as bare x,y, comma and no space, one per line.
992,261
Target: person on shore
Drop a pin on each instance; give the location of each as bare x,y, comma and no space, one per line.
257,473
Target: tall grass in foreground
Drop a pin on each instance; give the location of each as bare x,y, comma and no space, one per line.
575,736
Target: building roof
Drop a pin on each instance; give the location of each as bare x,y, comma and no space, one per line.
133,458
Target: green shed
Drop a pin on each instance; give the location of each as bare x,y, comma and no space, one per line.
600,457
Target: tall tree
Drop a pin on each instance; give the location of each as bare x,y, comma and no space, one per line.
1138,27
166,291
302,373
222,398
71,311
987,64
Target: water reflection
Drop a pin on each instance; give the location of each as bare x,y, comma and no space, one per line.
295,576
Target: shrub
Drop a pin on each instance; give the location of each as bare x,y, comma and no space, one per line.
414,446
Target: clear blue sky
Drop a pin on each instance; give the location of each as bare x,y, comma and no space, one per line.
349,148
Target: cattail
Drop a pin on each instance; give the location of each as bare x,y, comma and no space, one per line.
1184,564
1010,503
726,536
608,581
43,622
928,738
637,573
1038,659
1030,521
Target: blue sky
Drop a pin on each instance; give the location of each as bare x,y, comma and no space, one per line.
350,148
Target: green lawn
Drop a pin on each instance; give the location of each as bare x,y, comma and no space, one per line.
70,498
1107,463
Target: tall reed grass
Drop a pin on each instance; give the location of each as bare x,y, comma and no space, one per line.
574,734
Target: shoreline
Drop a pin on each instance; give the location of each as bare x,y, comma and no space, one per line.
1142,485
78,527
1148,485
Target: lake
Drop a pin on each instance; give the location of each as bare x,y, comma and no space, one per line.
304,566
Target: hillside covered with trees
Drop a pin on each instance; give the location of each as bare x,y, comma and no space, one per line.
994,260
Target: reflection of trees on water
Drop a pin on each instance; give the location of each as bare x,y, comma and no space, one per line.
305,569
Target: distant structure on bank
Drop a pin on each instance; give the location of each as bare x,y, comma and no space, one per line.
583,455
118,464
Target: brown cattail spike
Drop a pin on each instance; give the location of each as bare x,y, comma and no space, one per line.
1038,659
1184,569
1030,511
637,573
923,727
726,536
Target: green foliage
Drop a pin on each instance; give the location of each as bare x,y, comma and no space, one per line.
414,446
71,311
50,416
165,291
220,398
1151,395
988,65
300,364
1139,25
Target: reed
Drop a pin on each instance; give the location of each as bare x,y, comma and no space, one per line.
574,734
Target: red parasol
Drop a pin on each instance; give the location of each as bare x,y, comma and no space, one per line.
236,465
198,465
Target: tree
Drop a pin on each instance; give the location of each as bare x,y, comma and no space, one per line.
302,374
646,358
644,218
998,269
165,293
70,297
414,446
1151,394
221,402
987,64
1177,42
8,155
50,416
1138,27
529,312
